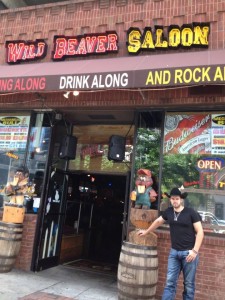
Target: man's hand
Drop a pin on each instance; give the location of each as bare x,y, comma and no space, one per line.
159,221
142,232
191,256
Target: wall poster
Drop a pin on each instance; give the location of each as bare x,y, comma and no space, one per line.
195,133
13,132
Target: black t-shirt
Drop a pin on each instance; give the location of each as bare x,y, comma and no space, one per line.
182,231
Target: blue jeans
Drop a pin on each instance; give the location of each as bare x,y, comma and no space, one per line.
176,264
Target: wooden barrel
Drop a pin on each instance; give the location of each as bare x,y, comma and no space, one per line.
137,272
10,240
142,218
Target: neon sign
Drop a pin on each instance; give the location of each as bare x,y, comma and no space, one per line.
186,36
83,45
210,164
18,51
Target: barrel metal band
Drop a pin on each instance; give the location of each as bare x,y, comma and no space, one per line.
8,257
11,225
137,267
6,265
136,285
139,254
18,239
139,297
139,246
6,268
8,231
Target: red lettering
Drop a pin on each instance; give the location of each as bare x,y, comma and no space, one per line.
25,52
91,43
15,52
6,84
30,84
112,42
17,85
102,40
22,85
42,83
71,47
60,48
219,141
18,50
41,48
82,47
31,53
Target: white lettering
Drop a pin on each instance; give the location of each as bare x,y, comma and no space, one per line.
74,82
110,81
98,81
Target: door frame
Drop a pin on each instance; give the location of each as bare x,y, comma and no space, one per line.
39,264
126,208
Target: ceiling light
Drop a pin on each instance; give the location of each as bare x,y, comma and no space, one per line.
76,93
66,95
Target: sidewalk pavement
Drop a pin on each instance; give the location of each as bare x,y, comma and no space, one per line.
59,283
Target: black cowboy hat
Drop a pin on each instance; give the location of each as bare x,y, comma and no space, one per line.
176,192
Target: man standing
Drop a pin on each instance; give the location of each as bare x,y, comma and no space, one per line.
186,234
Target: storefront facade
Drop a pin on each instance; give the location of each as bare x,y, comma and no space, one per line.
150,71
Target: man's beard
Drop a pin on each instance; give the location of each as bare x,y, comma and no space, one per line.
176,205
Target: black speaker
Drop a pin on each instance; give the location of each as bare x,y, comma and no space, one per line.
117,148
68,147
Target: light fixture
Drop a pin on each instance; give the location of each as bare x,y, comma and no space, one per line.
66,95
76,93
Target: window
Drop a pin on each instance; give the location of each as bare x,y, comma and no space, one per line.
93,147
14,130
147,154
23,148
194,160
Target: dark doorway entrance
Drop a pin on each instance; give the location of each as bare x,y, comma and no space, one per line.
96,205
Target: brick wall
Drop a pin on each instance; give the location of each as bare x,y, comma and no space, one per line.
210,279
166,99
24,257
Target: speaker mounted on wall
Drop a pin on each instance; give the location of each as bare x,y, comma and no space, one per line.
117,145
68,147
